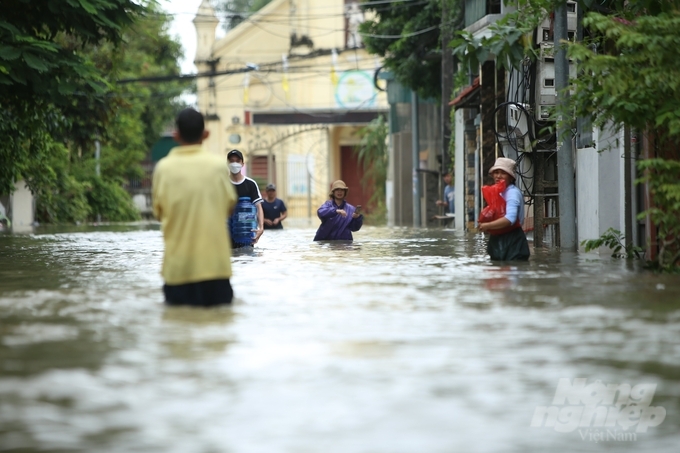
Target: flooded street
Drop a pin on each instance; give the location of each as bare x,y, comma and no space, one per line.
404,341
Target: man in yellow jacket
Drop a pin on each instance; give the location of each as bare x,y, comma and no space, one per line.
192,198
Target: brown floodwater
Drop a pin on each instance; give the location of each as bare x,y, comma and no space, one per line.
403,341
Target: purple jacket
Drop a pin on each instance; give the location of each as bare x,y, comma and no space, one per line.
333,225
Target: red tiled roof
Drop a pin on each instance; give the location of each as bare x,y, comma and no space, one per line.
466,91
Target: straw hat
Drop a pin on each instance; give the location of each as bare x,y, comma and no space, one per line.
505,164
338,185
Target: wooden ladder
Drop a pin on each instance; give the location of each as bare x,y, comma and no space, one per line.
546,203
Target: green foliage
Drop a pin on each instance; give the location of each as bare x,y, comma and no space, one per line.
59,61
108,199
61,199
635,81
408,38
507,44
614,240
372,156
47,90
27,145
663,179
33,62
510,39
631,76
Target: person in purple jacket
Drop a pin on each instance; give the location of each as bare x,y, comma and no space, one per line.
338,218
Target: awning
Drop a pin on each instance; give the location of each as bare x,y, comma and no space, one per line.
465,95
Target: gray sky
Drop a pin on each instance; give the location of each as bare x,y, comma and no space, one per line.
184,12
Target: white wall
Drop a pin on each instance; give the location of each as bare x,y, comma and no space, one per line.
389,183
610,169
459,177
587,194
22,208
600,189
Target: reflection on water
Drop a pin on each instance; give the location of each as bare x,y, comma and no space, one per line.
196,334
402,341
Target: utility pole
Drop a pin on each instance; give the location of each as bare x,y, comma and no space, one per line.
415,152
447,83
565,159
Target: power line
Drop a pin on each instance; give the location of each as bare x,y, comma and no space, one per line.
366,5
168,78
262,67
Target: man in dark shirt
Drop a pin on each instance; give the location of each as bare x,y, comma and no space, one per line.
245,187
274,209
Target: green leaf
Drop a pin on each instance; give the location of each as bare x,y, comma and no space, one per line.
482,55
9,53
35,62
66,88
18,77
88,7
9,27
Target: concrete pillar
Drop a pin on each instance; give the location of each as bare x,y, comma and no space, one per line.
22,210
459,177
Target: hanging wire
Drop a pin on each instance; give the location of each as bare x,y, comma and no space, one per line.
538,135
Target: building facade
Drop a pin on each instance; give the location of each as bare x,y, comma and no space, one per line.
291,87
505,113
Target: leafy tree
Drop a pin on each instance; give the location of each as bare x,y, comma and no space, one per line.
372,156
407,36
631,76
140,112
52,127
46,88
663,179
631,73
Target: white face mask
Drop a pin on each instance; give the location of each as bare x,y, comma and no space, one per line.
235,167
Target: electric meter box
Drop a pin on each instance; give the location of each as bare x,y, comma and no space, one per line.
545,31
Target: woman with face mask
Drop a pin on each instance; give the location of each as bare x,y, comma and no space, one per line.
245,187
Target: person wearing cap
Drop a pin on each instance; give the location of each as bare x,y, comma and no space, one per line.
245,187
507,241
191,197
338,218
274,209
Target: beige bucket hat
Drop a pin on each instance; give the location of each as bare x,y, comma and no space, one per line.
339,184
505,164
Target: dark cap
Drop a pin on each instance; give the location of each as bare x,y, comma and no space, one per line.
235,152
270,187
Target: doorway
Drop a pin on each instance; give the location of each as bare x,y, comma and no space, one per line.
352,173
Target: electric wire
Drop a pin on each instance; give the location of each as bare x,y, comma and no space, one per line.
524,144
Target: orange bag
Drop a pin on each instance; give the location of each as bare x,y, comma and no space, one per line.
495,208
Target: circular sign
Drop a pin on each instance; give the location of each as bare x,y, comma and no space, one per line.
355,90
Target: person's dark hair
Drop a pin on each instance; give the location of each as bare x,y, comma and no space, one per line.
190,125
